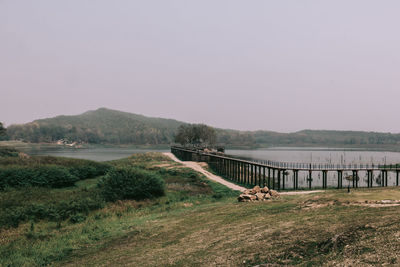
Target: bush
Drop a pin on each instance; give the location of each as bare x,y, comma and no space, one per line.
8,152
43,176
131,183
80,168
76,210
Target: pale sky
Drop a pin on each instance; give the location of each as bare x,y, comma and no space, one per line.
273,65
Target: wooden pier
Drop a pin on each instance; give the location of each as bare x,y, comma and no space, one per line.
275,175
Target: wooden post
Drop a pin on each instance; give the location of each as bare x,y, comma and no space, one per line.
279,179
386,178
339,177
264,176
269,177
369,178
247,173
309,179
397,178
273,178
242,179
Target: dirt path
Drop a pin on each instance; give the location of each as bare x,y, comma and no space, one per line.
196,166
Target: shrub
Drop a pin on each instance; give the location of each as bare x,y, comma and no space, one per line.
44,176
8,152
131,183
75,210
80,168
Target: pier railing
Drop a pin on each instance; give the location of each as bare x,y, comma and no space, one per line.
274,174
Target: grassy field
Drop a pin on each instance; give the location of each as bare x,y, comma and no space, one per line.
199,222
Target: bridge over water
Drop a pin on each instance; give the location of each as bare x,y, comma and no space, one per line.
285,175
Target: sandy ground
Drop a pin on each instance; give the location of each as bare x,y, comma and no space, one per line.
197,167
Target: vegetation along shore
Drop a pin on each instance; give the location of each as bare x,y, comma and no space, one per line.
98,214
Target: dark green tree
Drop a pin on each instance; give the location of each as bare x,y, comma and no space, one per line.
196,135
3,130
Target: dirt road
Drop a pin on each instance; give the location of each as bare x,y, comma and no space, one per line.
196,166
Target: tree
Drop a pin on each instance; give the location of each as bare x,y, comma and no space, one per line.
2,129
195,135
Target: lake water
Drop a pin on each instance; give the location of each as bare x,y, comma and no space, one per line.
324,155
319,155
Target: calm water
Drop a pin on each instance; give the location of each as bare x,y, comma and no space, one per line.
319,155
97,154
324,155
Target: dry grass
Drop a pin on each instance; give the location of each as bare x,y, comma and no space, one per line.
281,232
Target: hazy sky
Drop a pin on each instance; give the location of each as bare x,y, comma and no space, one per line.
275,65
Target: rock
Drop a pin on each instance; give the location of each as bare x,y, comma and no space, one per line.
257,194
256,189
260,196
246,197
264,189
247,191
273,193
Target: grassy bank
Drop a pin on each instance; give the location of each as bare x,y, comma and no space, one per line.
198,222
42,225
328,229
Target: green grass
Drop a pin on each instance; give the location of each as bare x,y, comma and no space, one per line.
199,222
46,238
282,232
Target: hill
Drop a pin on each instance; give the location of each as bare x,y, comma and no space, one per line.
98,126
106,126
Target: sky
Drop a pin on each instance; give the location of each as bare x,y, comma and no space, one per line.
264,64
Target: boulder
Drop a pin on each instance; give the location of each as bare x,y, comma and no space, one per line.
273,193
264,189
260,196
246,197
256,190
247,191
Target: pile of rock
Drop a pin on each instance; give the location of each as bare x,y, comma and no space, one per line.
258,194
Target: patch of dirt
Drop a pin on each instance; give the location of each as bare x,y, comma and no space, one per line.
377,204
312,204
203,164
162,165
301,192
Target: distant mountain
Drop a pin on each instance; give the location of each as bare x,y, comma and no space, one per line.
98,126
108,126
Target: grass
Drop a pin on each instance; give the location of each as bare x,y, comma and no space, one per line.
44,239
282,232
199,222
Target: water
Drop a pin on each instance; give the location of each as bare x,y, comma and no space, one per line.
319,155
96,154
325,155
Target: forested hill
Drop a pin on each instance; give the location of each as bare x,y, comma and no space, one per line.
98,126
108,126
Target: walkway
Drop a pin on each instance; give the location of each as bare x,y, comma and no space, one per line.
196,166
